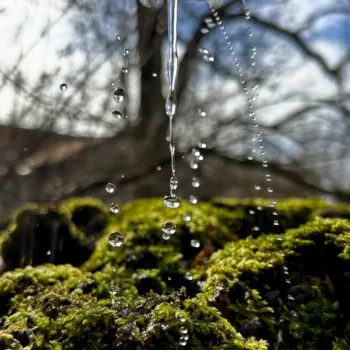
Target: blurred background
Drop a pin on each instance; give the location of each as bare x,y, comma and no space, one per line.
58,141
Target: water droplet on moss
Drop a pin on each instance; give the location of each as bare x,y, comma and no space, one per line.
195,243
116,239
117,115
186,217
166,236
172,202
193,200
63,87
169,228
114,208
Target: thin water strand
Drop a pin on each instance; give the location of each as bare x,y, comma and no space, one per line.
243,82
172,68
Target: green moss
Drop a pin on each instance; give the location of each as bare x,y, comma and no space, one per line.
295,283
55,234
284,286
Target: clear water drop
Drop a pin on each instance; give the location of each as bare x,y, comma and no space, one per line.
114,208
119,95
117,115
110,188
166,236
174,182
196,152
256,228
251,212
201,112
63,87
183,330
125,70
193,200
195,243
118,37
126,52
172,202
48,252
116,239
270,190
202,144
258,188
159,168
275,213
193,164
186,217
250,158
188,277
169,227
154,75
290,297
182,341
276,223
195,182
113,289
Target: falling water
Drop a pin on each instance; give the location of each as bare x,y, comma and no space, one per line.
172,67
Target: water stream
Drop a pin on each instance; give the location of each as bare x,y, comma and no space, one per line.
170,107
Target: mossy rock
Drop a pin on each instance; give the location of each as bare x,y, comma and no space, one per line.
283,286
59,234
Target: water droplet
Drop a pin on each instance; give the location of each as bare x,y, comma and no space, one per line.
276,223
110,188
172,202
188,277
259,207
117,115
118,37
174,182
250,158
202,144
169,227
251,212
116,239
256,228
195,182
186,217
193,200
183,330
196,152
166,236
159,168
154,75
290,297
119,95
270,190
114,208
193,164
275,213
182,341
48,252
63,87
195,243
125,70
126,52
113,289
201,112
257,187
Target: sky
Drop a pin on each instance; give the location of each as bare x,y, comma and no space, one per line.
28,52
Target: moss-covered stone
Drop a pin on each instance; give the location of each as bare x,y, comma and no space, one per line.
60,234
283,286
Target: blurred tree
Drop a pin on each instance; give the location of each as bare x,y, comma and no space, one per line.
302,68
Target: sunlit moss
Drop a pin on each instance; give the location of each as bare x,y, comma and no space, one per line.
241,289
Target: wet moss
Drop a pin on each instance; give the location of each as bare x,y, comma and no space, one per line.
59,234
284,286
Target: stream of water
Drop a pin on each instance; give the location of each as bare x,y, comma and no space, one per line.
170,107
